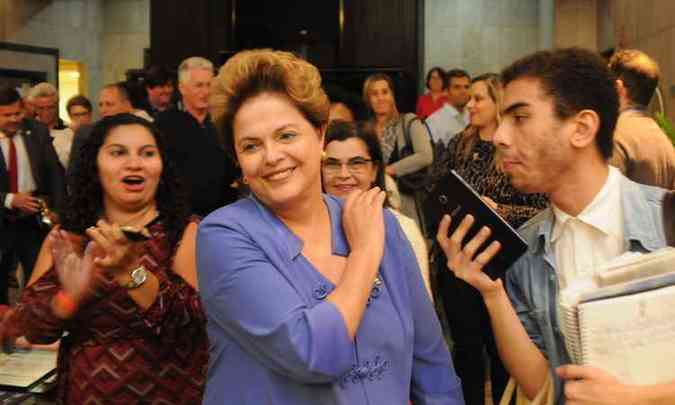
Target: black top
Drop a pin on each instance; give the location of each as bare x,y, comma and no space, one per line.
206,170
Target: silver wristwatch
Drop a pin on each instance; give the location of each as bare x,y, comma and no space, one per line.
138,276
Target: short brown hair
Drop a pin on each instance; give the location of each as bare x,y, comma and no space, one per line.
638,72
80,100
253,72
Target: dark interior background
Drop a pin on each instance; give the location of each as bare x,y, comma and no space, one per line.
346,39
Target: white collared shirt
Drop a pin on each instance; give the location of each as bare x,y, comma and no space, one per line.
26,183
63,141
584,243
446,122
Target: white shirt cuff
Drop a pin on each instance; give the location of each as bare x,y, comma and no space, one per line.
9,197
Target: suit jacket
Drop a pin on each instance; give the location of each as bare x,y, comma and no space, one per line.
642,151
81,135
46,169
201,162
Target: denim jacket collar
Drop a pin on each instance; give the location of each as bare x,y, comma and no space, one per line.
637,222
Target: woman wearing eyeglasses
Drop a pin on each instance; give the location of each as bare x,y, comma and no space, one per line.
353,161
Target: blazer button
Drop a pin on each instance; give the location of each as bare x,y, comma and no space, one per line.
320,292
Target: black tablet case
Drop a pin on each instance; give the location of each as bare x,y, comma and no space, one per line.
457,198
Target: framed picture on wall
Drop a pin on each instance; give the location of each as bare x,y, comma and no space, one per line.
23,66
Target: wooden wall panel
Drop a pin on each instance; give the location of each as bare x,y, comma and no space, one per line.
180,29
375,33
384,33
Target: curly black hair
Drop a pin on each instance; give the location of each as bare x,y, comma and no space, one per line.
84,204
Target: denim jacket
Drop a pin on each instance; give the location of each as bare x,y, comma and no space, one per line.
532,282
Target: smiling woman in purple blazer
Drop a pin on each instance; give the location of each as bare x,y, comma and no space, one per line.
309,299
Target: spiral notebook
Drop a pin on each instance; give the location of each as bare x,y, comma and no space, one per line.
622,320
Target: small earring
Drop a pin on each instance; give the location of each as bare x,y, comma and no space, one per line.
323,155
244,180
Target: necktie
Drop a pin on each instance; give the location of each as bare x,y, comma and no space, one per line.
13,171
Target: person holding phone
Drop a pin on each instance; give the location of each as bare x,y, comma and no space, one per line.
472,155
119,277
555,137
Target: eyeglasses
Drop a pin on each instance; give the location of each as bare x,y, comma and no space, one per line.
355,165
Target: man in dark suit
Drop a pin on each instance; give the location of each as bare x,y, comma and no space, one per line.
29,174
205,169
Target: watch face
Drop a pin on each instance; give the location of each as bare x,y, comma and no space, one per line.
139,275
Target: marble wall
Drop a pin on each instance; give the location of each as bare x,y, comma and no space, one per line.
648,25
576,23
108,36
73,26
479,35
126,32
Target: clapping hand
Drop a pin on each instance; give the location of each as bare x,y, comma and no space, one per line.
115,252
76,271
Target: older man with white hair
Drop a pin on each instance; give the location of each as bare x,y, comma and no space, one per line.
193,141
44,98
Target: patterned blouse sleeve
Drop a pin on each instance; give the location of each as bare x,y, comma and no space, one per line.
33,316
177,309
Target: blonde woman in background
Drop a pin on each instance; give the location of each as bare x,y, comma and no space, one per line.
390,127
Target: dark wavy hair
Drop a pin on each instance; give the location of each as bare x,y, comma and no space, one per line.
340,130
84,204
